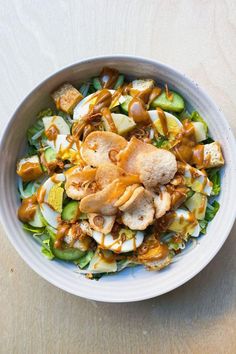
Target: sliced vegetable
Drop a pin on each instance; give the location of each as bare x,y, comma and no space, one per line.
174,104
211,211
38,220
195,117
44,240
123,123
71,211
197,205
97,84
84,89
214,177
119,82
50,155
103,261
84,260
125,104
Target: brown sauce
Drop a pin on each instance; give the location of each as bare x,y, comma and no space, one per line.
187,150
163,121
108,117
104,99
62,231
144,95
108,77
52,132
29,171
169,95
41,194
138,111
198,155
27,210
156,91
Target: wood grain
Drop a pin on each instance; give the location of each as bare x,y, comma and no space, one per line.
198,38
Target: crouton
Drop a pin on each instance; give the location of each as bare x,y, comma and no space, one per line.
66,97
212,156
141,85
29,168
153,254
102,147
101,223
138,210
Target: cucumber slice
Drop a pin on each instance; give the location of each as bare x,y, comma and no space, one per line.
97,84
174,105
125,104
50,155
67,254
119,82
71,211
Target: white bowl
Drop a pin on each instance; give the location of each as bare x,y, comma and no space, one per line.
137,283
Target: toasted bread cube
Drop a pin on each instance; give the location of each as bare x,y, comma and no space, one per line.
66,97
213,156
141,85
29,168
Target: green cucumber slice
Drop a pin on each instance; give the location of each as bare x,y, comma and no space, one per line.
50,155
125,104
174,105
97,83
70,211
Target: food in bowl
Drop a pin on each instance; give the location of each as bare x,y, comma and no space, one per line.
118,174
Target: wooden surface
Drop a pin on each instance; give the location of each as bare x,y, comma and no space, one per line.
197,37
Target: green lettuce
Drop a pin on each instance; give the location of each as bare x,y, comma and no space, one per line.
44,240
195,117
84,261
211,211
214,176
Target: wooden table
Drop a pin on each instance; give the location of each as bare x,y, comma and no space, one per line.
36,39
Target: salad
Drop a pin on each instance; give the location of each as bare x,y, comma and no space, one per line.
117,174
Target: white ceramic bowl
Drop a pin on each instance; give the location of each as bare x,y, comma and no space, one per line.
132,284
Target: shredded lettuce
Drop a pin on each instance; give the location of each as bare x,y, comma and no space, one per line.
44,240
84,261
195,117
36,131
211,211
35,230
214,176
160,142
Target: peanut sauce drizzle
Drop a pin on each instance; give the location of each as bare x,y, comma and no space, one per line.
52,132
108,77
30,171
27,210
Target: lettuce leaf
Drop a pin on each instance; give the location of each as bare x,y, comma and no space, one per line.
44,240
211,211
195,117
214,176
37,129
84,261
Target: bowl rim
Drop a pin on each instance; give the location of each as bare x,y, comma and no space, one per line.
232,143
